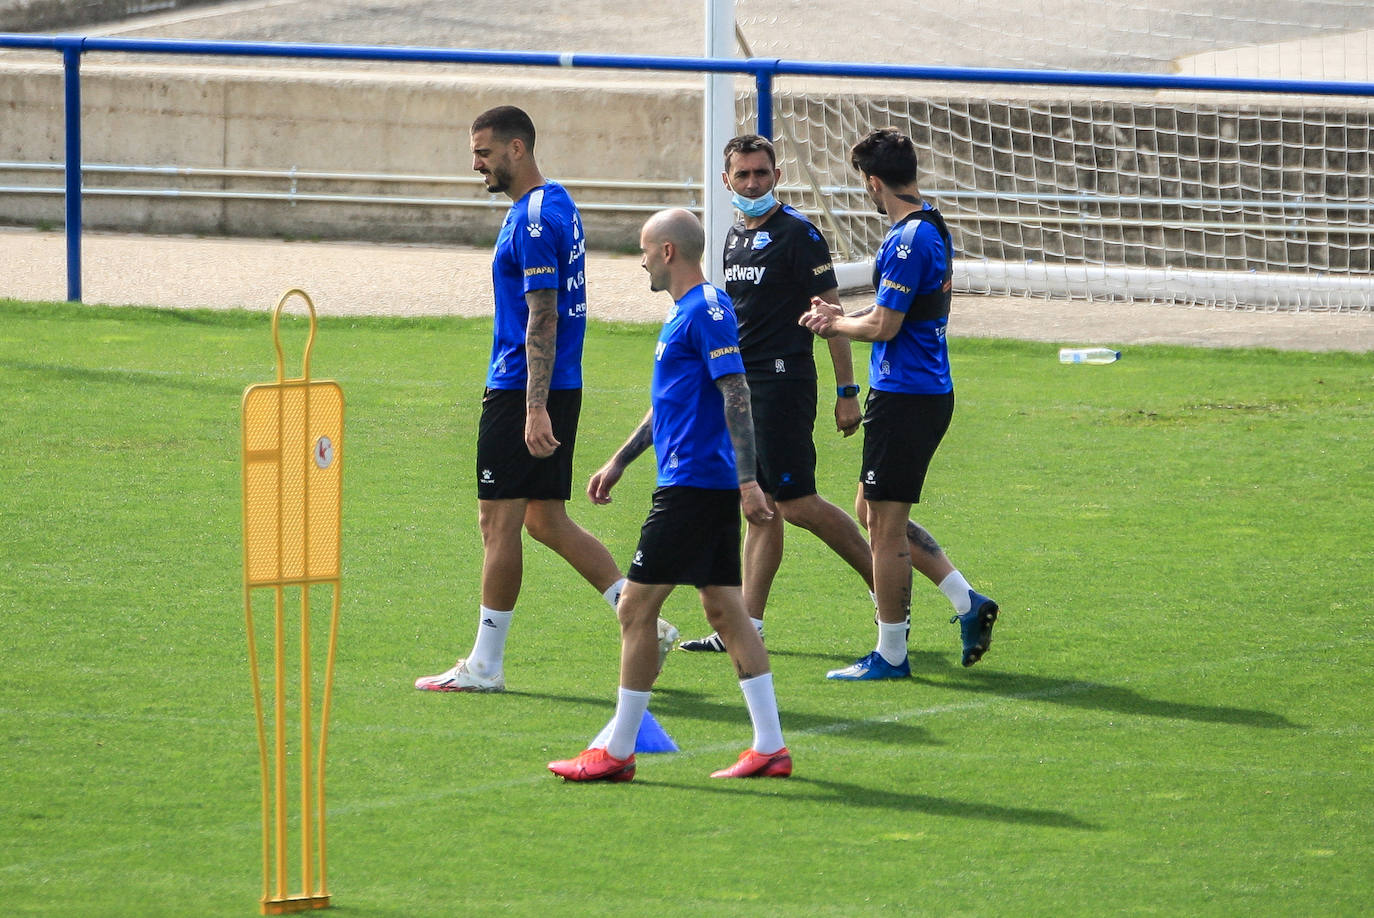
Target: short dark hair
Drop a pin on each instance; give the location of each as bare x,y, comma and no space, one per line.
506,123
750,143
887,153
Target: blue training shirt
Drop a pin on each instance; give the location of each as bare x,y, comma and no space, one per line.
541,246
699,344
911,261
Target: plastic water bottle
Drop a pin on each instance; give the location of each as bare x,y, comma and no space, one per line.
1088,355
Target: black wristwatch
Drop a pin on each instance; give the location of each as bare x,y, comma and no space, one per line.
849,391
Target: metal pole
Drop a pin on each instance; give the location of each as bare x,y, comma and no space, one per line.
763,81
71,81
719,128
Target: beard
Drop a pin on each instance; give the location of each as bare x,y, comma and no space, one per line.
495,184
497,179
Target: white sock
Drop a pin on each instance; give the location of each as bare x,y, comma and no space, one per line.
957,589
613,592
763,712
758,624
489,650
604,736
892,642
629,713
873,596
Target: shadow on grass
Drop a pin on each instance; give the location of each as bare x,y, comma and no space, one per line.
1096,695
670,704
856,795
186,382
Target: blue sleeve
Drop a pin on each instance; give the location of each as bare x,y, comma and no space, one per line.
718,341
536,248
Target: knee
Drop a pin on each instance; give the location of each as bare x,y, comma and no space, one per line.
543,523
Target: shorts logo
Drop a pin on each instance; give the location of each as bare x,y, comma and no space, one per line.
761,240
638,560
870,477
487,476
779,366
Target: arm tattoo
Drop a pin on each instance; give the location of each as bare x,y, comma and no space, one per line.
541,343
639,441
740,421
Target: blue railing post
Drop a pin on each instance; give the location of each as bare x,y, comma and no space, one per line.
763,83
71,84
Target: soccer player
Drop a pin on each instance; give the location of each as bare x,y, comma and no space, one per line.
700,428
528,424
910,403
775,261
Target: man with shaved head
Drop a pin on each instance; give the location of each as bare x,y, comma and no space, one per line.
702,432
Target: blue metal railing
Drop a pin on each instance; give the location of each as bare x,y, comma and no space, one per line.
764,71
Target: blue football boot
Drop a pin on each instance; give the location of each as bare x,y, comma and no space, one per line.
872,666
975,626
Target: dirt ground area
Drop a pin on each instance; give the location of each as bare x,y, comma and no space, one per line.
414,280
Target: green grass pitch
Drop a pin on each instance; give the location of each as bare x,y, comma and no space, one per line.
1174,717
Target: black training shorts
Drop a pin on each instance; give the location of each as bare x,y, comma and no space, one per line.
505,468
784,413
690,537
901,434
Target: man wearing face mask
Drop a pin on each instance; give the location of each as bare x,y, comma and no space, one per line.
775,261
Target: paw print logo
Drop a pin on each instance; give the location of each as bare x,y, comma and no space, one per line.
903,251
536,230
716,312
487,477
870,477
638,559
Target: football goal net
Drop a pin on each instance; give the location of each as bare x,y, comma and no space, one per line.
1259,201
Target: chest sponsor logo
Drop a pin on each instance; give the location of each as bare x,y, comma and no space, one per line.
747,274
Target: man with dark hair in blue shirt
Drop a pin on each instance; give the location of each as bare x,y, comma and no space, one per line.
700,427
533,397
910,403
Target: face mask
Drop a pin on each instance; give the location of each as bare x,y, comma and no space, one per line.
754,207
